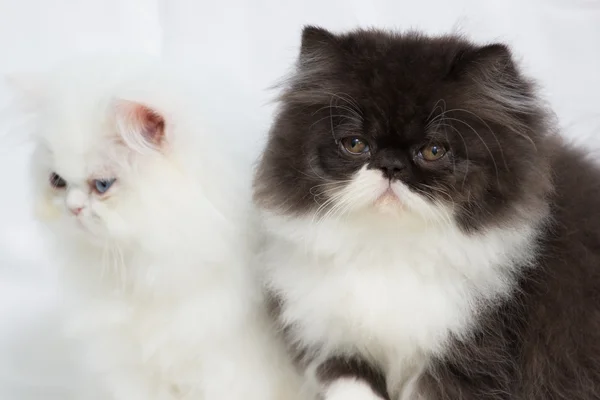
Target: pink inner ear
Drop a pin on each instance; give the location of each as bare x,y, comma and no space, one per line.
139,123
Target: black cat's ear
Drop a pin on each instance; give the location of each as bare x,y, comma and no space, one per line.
494,60
315,41
496,57
497,89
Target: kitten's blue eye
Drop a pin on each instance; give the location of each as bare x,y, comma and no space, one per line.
102,185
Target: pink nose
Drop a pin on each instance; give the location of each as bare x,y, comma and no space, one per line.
76,210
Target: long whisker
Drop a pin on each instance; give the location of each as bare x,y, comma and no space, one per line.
333,183
350,110
331,116
487,126
482,141
439,206
466,149
331,200
348,99
336,211
325,191
435,107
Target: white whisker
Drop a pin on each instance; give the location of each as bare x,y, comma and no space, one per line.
482,142
449,125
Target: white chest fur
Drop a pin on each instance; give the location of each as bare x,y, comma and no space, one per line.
393,294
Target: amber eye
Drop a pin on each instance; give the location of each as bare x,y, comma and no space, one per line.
355,146
432,152
56,181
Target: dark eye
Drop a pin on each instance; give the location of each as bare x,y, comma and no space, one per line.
102,185
432,152
355,146
57,182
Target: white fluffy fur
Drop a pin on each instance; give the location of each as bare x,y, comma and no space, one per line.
159,288
350,389
389,279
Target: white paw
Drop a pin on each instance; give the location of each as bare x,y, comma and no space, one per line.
350,389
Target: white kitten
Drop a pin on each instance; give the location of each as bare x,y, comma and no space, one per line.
149,218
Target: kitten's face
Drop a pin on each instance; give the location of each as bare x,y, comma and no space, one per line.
405,126
80,184
92,180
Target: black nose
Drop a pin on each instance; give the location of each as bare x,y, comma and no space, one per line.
391,171
391,164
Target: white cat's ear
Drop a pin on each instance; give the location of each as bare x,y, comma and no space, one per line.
141,127
28,87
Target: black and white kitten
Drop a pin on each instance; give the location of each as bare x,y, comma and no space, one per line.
430,235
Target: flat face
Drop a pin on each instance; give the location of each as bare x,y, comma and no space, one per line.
401,124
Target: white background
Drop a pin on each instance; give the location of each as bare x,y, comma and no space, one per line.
240,48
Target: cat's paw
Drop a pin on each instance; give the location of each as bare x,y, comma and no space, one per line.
350,389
